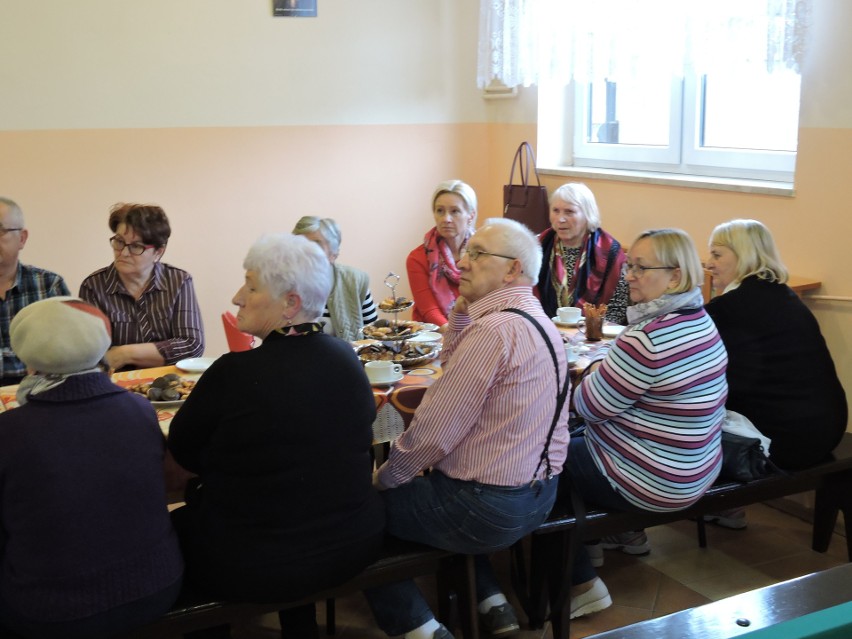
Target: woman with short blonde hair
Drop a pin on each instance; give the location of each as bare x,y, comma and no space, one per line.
781,376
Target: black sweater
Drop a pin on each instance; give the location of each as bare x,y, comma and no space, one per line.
280,437
780,372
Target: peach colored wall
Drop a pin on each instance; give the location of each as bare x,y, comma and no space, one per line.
223,187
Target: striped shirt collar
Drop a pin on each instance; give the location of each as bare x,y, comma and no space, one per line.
116,287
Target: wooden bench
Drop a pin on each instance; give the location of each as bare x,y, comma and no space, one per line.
554,544
399,561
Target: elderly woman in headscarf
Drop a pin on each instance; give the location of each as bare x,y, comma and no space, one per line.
350,304
582,262
432,268
280,437
83,497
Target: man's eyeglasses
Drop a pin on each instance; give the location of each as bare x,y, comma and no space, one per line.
638,271
474,254
4,230
134,248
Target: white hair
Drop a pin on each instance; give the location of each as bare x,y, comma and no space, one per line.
291,263
519,242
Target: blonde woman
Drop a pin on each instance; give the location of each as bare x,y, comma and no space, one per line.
781,375
653,403
432,268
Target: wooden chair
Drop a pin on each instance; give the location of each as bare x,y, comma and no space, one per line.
237,340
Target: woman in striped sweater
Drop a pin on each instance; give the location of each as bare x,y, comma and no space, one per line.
653,401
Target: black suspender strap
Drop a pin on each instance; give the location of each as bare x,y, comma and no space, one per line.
561,393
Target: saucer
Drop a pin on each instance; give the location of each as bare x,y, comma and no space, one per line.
195,364
559,322
612,330
389,382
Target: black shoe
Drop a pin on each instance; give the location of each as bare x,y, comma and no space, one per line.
499,622
442,633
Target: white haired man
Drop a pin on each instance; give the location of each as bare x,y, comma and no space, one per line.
493,430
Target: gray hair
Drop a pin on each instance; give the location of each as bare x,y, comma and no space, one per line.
581,196
754,247
464,191
291,263
675,248
16,215
326,227
518,241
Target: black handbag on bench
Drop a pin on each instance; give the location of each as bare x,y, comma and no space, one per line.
743,459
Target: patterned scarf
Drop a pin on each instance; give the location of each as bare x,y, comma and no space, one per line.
442,267
308,328
597,270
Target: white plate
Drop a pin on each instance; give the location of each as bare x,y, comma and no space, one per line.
195,364
559,322
612,330
389,383
428,326
428,336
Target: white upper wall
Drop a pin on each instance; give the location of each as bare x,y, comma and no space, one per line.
195,63
96,64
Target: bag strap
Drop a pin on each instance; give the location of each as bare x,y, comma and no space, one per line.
524,159
561,394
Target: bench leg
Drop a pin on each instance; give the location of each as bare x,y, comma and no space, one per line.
559,585
833,496
531,590
702,531
330,623
457,596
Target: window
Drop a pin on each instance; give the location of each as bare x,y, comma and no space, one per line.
698,88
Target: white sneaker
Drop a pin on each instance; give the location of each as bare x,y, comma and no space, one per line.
593,600
596,554
632,543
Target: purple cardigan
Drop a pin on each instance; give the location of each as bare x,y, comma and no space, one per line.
84,525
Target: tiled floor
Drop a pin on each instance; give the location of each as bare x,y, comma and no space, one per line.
675,576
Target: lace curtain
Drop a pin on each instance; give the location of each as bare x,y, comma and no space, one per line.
525,42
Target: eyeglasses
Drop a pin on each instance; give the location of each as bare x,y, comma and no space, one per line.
638,271
4,230
474,254
134,248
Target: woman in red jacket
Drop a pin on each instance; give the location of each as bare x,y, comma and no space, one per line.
432,271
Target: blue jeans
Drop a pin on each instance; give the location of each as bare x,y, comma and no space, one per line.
581,472
461,516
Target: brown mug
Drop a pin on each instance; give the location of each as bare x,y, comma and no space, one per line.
592,328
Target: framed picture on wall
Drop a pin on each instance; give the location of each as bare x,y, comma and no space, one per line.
294,8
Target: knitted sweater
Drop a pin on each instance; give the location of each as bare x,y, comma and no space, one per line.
85,527
280,436
654,410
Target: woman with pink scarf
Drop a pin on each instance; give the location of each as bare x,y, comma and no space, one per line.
432,271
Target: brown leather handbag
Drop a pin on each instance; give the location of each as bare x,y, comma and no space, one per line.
526,202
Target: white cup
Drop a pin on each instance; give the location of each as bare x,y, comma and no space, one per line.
382,371
571,354
568,314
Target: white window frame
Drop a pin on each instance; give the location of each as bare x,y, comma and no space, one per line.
683,155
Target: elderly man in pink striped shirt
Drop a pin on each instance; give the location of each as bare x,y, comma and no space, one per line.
493,430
